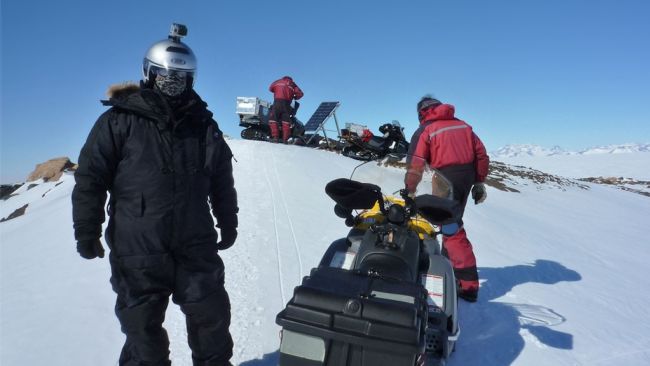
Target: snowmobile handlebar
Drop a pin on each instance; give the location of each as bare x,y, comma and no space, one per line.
409,202
354,195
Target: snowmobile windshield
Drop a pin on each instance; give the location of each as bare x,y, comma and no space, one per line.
411,173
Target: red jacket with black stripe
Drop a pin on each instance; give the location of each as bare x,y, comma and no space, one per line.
443,140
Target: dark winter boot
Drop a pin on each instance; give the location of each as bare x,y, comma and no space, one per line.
468,295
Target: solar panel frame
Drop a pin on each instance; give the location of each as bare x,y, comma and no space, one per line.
324,111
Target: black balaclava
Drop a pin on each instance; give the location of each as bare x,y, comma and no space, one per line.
172,85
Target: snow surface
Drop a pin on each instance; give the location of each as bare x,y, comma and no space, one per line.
563,279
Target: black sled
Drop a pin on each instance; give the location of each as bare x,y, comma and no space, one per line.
368,147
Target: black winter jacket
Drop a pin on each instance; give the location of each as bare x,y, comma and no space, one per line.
161,165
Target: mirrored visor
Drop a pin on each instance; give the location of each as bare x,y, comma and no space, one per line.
161,71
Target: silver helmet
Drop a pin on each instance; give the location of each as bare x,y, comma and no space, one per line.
170,64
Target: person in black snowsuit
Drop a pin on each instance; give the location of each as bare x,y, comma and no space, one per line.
165,163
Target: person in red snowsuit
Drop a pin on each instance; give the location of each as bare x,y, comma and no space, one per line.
450,146
284,91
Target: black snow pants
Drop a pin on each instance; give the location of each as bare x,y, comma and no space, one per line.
462,178
194,277
282,110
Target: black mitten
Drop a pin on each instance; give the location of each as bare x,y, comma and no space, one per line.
228,237
90,249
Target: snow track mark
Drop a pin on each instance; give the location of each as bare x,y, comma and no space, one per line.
286,211
277,237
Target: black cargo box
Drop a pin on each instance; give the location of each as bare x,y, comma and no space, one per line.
340,317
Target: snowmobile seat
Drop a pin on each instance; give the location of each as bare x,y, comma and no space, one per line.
401,261
387,265
377,143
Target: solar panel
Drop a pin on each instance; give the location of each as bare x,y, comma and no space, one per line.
322,113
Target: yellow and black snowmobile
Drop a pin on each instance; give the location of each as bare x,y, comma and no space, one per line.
384,294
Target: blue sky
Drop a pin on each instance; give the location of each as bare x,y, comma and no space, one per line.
574,73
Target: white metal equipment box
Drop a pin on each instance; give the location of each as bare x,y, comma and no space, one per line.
251,105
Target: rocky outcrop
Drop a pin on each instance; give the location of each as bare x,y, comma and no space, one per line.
51,170
506,177
641,187
6,190
17,213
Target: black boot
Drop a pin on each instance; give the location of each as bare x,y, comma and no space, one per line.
468,295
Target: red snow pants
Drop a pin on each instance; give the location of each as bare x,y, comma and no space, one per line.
459,251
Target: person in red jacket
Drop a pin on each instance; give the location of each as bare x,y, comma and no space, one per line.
284,91
450,146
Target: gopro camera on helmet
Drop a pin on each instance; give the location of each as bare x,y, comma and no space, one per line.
177,31
170,64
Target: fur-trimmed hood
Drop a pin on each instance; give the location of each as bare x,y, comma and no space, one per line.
122,90
132,97
151,104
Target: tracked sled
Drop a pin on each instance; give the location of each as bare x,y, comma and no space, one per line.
384,294
254,114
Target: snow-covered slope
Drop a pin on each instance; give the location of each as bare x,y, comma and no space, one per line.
626,161
561,266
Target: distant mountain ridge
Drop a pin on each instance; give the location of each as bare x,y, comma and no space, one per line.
532,150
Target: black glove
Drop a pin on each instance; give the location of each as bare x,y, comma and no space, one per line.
228,237
90,249
479,194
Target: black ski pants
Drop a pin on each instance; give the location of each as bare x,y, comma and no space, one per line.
462,177
282,111
194,277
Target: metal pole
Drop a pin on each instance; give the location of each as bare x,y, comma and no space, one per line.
325,134
336,120
312,137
